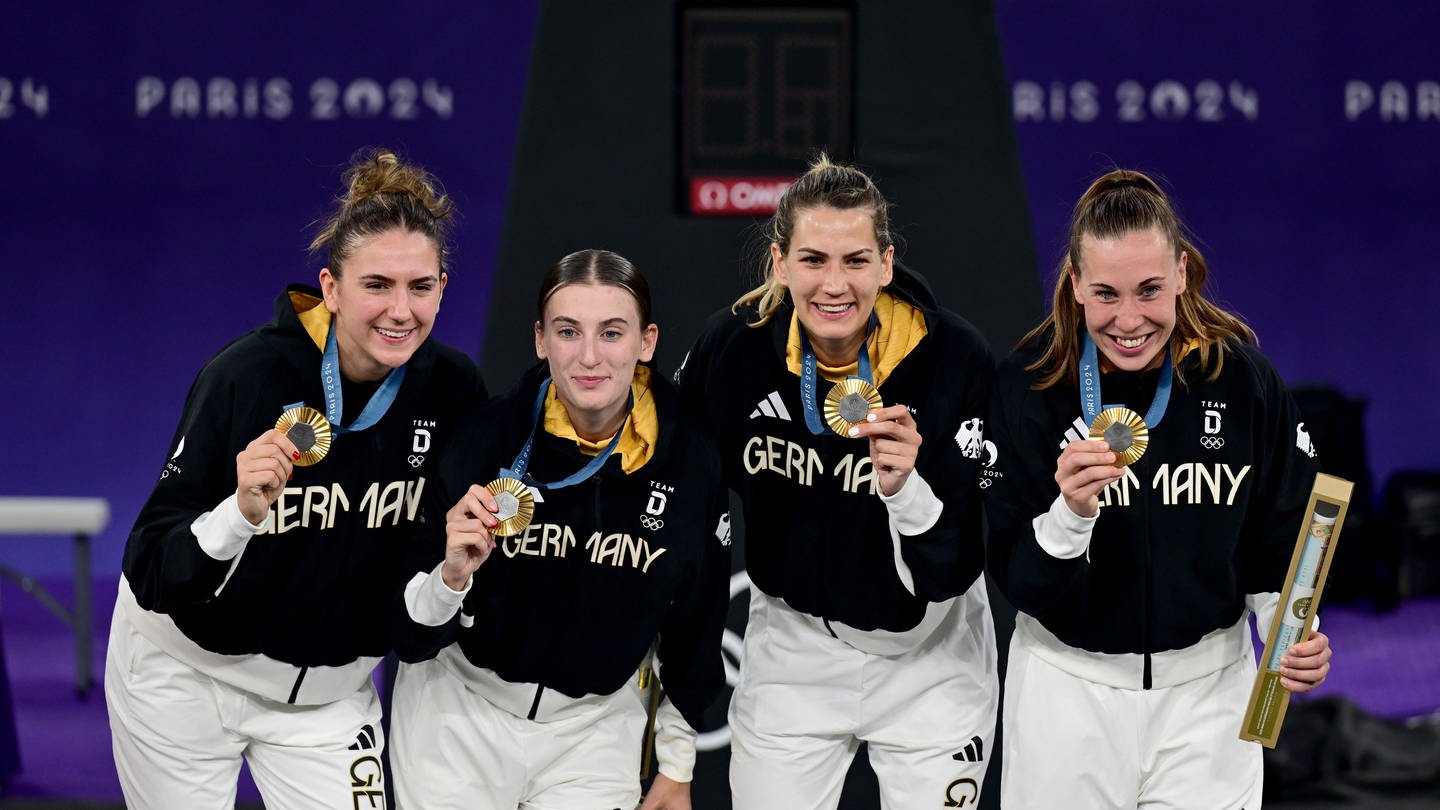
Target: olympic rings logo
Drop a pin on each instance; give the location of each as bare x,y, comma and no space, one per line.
416,460
654,524
1212,442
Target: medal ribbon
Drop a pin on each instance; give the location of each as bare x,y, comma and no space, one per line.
1090,385
379,403
517,468
809,375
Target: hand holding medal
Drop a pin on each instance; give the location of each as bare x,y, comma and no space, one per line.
1084,468
511,500
894,445
261,471
470,526
1118,435
301,437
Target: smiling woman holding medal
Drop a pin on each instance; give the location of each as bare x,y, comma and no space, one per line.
868,616
1134,552
259,574
530,681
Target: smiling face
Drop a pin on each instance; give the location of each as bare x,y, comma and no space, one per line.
1128,286
592,337
834,271
384,302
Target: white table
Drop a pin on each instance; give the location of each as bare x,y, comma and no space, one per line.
81,518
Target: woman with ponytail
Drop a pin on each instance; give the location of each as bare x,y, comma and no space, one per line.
258,577
1135,560
848,406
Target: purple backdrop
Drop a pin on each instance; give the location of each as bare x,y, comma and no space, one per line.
161,199
1300,143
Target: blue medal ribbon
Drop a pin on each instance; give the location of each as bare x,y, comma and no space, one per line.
517,468
1090,385
810,375
373,411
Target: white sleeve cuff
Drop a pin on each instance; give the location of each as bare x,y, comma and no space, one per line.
223,532
1062,533
1264,606
912,510
674,743
430,601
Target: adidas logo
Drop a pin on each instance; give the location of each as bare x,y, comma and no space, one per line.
366,739
772,407
1078,430
974,752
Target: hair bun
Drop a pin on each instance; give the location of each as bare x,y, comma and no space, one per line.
383,192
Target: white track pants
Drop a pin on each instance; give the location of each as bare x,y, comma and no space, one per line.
806,701
1070,742
178,737
454,749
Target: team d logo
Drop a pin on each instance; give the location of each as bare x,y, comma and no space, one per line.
1212,421
419,446
655,506
1212,440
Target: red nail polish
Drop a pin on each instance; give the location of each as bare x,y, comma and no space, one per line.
295,455
290,477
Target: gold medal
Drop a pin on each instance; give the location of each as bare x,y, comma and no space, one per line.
308,430
848,403
515,506
1125,433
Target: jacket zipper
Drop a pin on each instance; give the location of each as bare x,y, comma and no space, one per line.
598,520
1146,678
540,688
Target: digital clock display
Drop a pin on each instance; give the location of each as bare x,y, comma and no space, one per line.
761,90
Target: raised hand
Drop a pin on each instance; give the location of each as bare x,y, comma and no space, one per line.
261,470
1083,469
468,541
894,444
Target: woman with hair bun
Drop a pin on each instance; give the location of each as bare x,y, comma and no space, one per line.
257,580
1135,559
